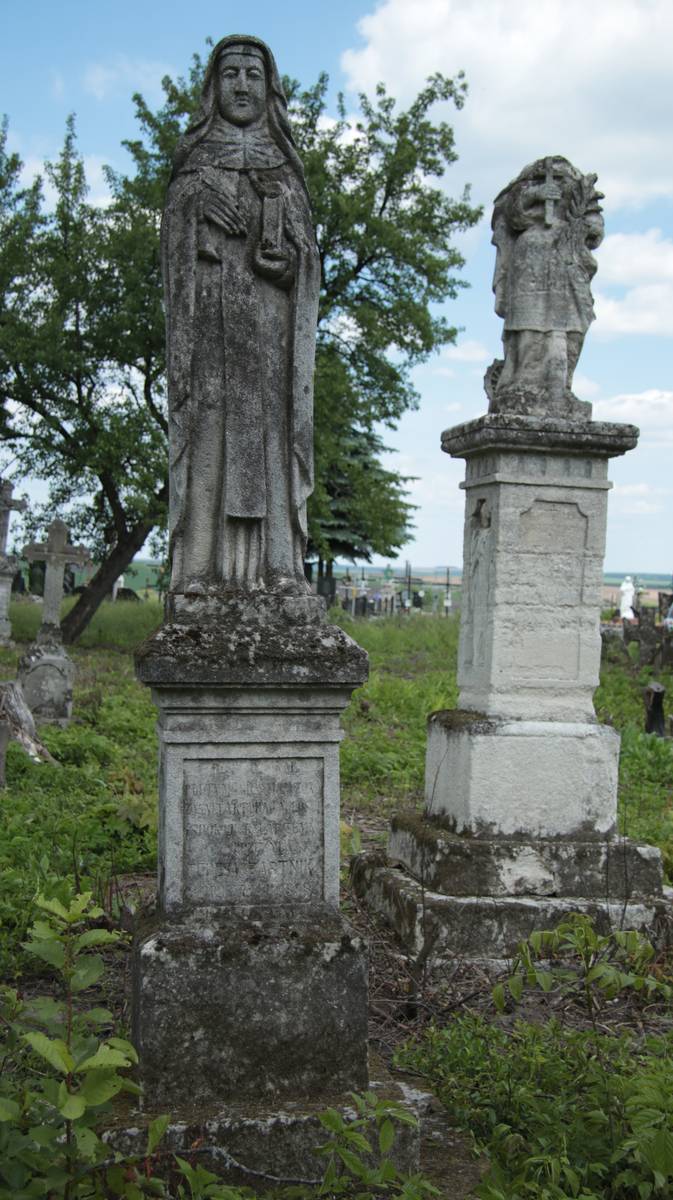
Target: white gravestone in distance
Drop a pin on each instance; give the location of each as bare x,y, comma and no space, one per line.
8,563
520,822
249,986
46,672
626,598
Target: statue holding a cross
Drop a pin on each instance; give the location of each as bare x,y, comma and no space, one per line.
545,225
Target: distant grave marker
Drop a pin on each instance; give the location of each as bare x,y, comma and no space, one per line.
46,672
8,562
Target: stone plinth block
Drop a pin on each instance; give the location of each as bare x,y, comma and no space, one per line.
260,1145
539,779
250,1005
249,773
533,545
488,927
46,675
464,866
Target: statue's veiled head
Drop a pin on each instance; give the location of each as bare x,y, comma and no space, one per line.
241,85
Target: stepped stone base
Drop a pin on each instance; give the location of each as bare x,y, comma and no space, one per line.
438,926
261,1145
618,869
237,1006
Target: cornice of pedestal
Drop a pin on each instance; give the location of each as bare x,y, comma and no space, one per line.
514,431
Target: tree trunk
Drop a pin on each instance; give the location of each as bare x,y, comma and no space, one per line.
330,565
119,558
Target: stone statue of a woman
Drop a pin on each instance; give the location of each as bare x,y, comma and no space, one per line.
241,283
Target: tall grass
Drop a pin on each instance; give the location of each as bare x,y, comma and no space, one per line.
122,624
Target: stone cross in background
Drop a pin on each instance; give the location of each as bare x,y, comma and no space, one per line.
57,554
46,673
520,825
8,563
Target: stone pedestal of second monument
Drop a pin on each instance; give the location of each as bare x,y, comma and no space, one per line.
520,820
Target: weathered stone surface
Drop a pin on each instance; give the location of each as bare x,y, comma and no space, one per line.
245,1005
490,927
245,640
58,554
546,779
545,224
8,567
260,1144
249,795
8,564
248,984
521,780
526,431
463,866
241,283
46,675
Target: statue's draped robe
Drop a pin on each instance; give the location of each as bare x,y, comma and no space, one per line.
241,338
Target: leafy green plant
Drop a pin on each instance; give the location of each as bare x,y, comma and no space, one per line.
554,1124
60,1070
574,957
61,1067
355,1166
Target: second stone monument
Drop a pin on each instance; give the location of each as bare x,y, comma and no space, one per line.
520,821
249,986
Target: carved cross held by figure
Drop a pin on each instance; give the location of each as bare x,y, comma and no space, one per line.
6,507
550,192
57,555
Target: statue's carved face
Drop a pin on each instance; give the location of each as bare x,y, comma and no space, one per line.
241,88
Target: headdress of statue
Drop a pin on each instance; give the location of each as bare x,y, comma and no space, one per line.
278,121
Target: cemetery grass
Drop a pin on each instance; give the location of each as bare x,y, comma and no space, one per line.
90,819
92,815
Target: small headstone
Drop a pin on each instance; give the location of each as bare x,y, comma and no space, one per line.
8,563
655,721
46,672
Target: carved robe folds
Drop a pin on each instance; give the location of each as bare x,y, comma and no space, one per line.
241,316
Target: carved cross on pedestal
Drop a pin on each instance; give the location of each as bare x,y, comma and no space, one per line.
7,505
57,555
550,192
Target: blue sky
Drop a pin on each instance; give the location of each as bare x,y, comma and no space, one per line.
590,81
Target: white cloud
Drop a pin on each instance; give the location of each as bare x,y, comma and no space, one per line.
646,309
102,79
641,499
590,81
57,85
651,411
99,192
466,352
626,259
584,387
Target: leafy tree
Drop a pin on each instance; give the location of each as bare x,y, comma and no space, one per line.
81,371
82,362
